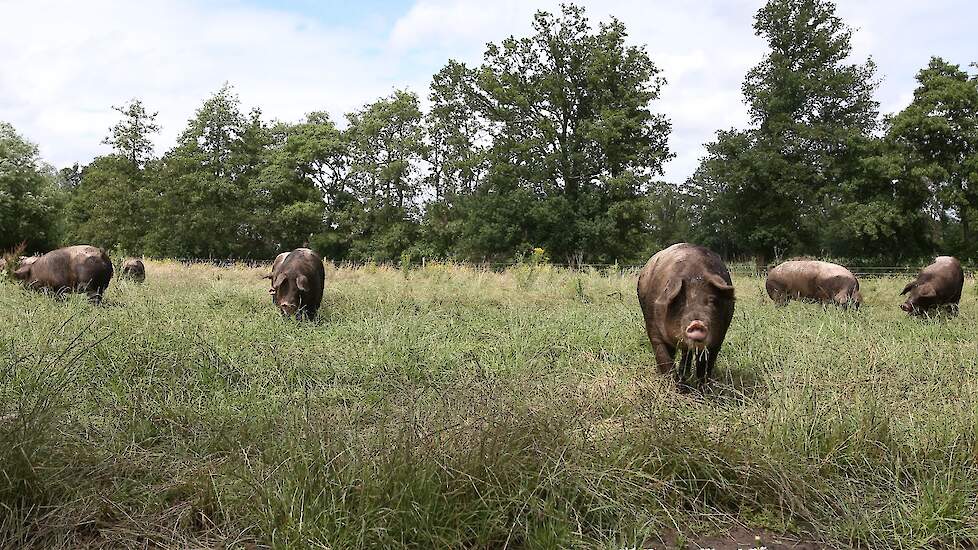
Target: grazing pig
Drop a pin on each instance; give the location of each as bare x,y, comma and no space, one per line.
297,283
687,299
939,284
134,269
815,281
79,268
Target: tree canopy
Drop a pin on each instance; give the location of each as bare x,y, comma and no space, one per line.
30,202
764,189
551,140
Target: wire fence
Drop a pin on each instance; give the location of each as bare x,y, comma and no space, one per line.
736,268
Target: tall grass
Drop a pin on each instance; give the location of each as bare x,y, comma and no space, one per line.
465,408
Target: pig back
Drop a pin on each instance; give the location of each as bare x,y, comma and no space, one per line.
810,279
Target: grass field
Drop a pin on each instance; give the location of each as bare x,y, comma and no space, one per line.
451,407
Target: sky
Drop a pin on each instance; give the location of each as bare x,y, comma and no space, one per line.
63,65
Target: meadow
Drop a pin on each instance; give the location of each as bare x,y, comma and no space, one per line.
452,407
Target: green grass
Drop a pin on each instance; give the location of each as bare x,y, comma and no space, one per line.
463,408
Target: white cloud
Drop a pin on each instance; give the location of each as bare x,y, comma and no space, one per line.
59,79
64,64
460,23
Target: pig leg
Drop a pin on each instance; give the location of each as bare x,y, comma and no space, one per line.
689,362
309,313
705,362
664,357
701,367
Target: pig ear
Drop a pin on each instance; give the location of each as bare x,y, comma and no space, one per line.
278,280
302,282
720,284
670,292
908,288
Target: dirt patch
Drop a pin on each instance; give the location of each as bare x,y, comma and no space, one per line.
738,538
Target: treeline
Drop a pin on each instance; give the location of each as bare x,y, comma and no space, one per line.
553,141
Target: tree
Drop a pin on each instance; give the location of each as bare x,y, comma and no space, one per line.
769,185
130,137
319,153
937,135
386,145
69,177
572,138
316,154
877,212
107,206
288,195
455,136
667,210
201,199
30,202
105,209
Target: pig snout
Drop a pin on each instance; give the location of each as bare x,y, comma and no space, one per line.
696,332
906,307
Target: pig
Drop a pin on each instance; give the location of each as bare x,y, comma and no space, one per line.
814,281
134,269
687,300
938,285
297,283
79,268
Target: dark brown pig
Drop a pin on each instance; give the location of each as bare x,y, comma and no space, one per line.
939,284
814,281
297,283
687,300
79,268
134,269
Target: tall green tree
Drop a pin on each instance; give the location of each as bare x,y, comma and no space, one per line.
30,202
316,156
574,143
108,207
877,213
131,137
769,185
386,147
937,135
201,198
297,170
456,137
456,143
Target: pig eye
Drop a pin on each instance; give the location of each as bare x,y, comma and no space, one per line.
711,300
